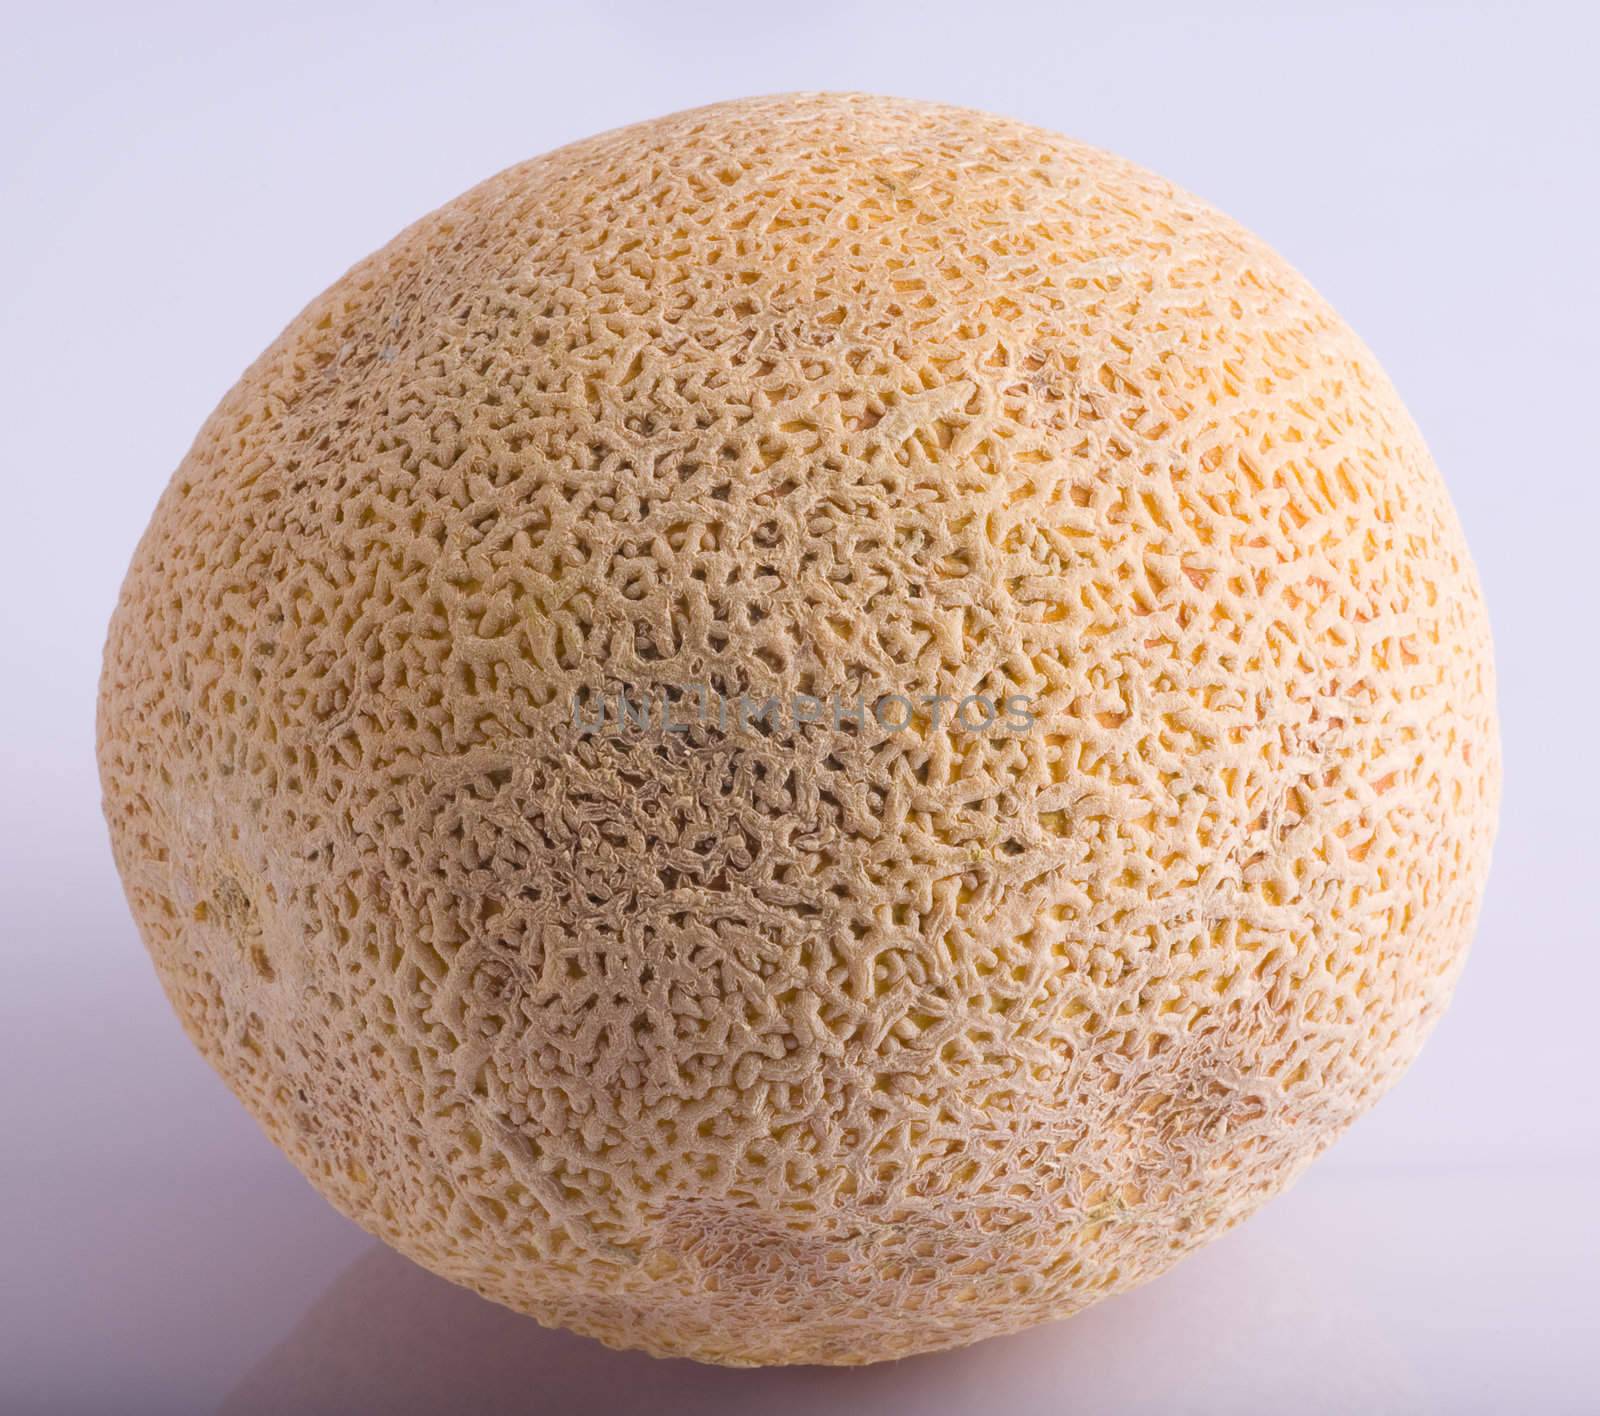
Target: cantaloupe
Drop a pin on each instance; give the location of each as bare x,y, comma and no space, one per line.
809,1033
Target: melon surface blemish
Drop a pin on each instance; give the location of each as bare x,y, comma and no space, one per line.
806,1034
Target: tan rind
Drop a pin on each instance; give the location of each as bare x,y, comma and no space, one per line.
836,1043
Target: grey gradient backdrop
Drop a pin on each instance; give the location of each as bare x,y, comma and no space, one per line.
179,180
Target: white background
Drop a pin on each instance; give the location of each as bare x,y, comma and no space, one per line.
180,180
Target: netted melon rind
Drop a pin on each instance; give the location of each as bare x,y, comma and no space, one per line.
833,1043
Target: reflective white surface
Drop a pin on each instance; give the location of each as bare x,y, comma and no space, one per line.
1336,1302
179,179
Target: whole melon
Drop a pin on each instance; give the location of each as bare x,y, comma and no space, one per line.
806,732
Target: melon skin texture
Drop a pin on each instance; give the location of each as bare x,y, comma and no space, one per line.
832,1042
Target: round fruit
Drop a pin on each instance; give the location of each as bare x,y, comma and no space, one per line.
1079,763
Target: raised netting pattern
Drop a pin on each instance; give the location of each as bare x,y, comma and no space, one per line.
808,1042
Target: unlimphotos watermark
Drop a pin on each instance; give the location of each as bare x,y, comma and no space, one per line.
681,708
